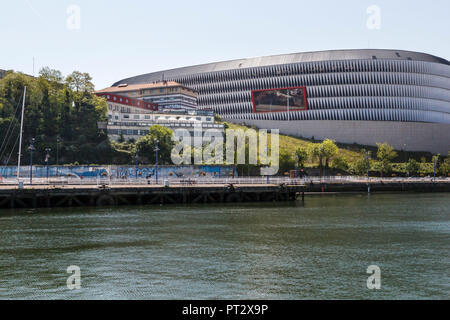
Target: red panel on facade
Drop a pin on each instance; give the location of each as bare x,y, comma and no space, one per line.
129,101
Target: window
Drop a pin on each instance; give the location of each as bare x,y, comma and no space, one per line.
136,117
147,117
126,116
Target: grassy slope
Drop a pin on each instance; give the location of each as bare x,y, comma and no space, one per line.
350,152
290,144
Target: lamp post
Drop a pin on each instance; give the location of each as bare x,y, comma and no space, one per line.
268,163
57,150
434,168
404,153
31,160
296,166
47,157
368,164
156,150
137,163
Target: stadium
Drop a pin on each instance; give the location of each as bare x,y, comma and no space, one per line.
352,96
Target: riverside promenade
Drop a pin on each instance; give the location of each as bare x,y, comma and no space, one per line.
93,192
47,196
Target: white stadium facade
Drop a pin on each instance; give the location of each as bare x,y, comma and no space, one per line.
352,96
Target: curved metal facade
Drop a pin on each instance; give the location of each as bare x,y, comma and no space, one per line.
365,85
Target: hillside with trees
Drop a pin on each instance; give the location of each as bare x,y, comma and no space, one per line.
61,113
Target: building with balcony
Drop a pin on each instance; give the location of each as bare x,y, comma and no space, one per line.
166,95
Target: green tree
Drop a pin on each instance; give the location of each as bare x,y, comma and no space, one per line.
146,145
287,161
80,82
436,161
385,155
329,151
359,165
51,75
412,167
301,155
316,151
340,163
49,114
444,168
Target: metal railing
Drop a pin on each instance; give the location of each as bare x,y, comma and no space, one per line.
192,181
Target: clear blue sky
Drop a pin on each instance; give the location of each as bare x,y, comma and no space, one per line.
118,39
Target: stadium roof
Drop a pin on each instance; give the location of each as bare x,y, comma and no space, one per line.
124,87
331,55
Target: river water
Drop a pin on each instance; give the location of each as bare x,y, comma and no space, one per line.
317,250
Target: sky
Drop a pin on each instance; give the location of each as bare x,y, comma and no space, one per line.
112,40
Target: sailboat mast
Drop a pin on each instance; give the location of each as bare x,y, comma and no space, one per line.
21,131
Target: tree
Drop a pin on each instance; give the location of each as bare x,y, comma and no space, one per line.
316,151
444,168
359,166
385,155
79,81
412,167
340,163
146,145
49,114
286,161
302,155
436,162
51,75
329,151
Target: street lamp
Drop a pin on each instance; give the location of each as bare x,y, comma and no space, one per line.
31,160
47,157
58,139
268,163
368,164
368,171
404,154
156,150
137,163
296,166
434,168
